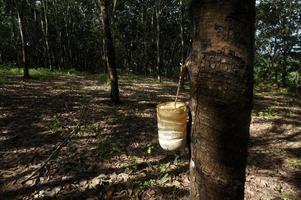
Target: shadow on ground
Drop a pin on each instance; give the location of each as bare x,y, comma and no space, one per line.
115,155
275,160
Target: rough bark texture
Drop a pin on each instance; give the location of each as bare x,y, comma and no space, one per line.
111,66
222,91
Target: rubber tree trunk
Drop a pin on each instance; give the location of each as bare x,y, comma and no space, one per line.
275,66
110,51
299,82
222,93
158,12
24,60
182,31
182,39
45,33
284,71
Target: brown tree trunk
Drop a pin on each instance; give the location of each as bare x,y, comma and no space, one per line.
23,50
158,43
182,41
45,33
222,93
299,82
110,51
284,71
182,31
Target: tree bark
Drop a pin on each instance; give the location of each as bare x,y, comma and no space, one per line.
110,51
45,33
284,70
275,65
23,45
182,40
221,97
158,43
182,31
299,81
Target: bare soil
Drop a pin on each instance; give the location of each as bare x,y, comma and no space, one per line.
116,155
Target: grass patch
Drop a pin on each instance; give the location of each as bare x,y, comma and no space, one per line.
289,197
273,89
135,77
107,149
38,73
133,165
3,80
43,74
103,79
56,124
293,162
11,70
266,113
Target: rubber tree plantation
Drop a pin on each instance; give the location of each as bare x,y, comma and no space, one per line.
150,99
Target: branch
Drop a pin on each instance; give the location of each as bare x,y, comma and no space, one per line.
55,151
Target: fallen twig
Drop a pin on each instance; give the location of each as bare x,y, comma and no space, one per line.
54,152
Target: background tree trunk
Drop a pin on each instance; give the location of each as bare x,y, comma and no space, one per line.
222,91
45,33
284,71
23,45
109,51
158,42
182,31
299,81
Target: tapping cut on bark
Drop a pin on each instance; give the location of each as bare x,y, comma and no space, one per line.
221,72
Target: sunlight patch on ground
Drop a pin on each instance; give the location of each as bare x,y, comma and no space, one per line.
116,151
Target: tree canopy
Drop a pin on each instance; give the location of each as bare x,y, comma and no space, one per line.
150,37
278,41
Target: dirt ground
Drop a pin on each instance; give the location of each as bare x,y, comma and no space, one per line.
115,154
